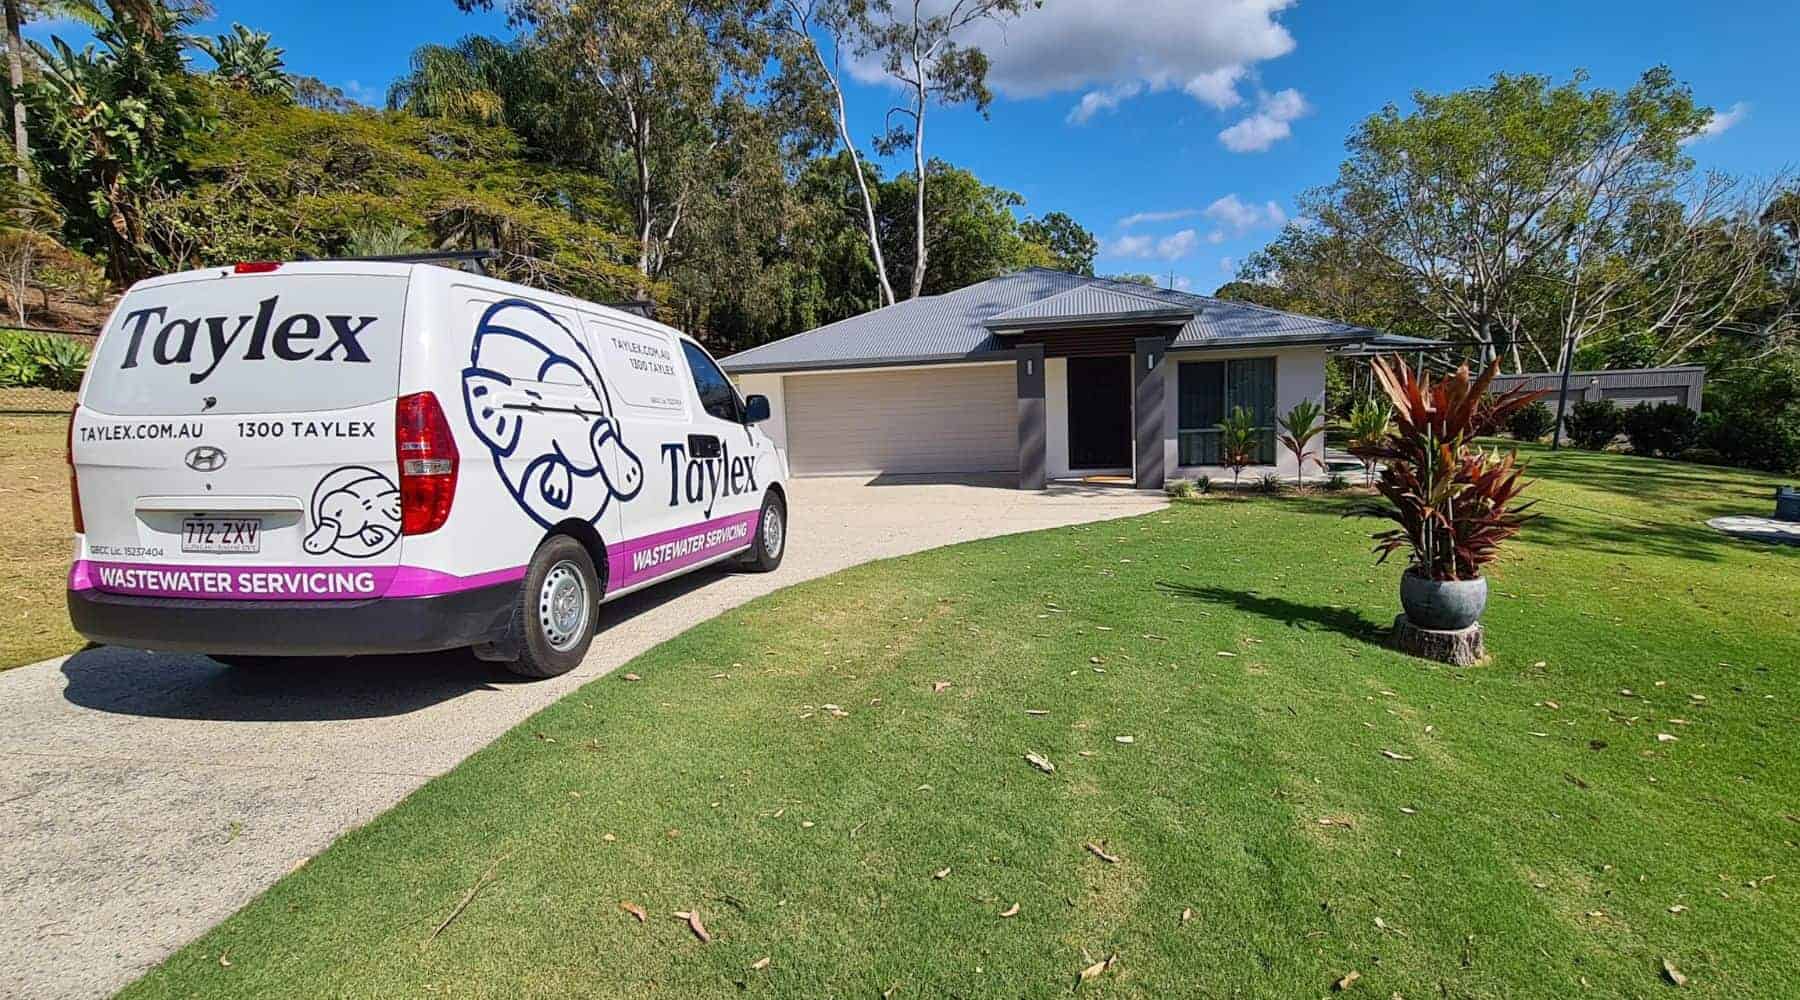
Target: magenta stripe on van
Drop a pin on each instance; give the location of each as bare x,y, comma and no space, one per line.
651,556
629,563
276,583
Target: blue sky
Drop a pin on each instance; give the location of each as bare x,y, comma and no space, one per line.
1205,118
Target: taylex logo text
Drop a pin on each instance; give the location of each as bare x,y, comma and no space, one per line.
250,336
707,479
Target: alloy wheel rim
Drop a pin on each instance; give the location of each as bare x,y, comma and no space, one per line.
563,606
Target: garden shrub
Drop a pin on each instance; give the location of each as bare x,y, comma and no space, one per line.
1337,483
1665,430
1181,489
1270,484
1531,423
1592,424
1753,417
41,360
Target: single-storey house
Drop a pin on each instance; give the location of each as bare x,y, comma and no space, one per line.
1044,375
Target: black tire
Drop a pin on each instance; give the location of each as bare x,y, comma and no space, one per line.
760,558
560,582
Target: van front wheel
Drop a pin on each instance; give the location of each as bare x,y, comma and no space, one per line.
559,604
771,536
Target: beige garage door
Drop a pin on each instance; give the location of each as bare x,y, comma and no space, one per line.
951,419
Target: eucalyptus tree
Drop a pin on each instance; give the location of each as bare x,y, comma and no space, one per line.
816,35
921,47
664,81
1472,196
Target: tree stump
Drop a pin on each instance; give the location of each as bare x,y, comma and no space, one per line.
1462,648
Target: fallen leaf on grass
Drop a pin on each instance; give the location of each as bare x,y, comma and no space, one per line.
1346,981
1577,782
1100,852
1672,973
941,873
1392,755
1011,911
635,910
1187,914
1666,738
1037,711
633,677
939,687
760,964
1677,908
1097,969
1040,762
1125,739
224,963
693,921
1226,653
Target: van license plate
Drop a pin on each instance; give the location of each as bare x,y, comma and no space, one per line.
221,534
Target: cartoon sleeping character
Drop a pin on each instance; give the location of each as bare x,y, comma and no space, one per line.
535,397
355,512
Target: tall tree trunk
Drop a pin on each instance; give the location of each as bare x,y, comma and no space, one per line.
918,275
15,66
862,183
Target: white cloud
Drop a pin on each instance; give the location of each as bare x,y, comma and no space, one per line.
1174,246
1132,246
1183,283
1269,125
1228,265
1095,101
1177,245
1720,122
1169,216
1114,50
1237,217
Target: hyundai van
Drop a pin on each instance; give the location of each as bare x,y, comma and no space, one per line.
330,458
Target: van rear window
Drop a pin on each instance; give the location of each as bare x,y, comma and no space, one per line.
275,343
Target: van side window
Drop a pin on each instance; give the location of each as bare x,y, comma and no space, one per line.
716,394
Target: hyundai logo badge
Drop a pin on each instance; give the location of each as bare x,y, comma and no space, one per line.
206,458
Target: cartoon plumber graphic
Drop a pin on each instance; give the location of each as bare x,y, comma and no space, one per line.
535,397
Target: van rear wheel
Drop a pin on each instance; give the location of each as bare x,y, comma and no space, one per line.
557,609
771,536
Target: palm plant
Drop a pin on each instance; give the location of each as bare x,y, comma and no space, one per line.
1298,428
469,81
1239,441
380,239
1367,428
1454,503
246,60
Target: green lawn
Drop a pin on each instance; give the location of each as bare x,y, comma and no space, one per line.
35,537
1540,838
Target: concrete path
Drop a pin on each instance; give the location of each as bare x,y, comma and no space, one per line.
145,797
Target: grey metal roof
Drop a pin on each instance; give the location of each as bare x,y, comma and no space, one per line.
955,326
1088,304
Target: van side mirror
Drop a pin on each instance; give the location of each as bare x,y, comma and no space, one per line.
756,409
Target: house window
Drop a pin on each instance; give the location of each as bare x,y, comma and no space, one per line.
1207,390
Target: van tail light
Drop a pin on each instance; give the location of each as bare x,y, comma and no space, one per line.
256,266
426,453
74,485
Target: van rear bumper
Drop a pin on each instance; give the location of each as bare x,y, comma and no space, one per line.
296,628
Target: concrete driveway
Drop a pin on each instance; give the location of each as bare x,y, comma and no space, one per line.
145,797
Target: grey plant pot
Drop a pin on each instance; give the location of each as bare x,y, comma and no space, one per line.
1442,605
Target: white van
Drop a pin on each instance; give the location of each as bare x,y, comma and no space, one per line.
365,456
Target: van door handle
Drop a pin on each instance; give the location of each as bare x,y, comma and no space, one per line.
703,446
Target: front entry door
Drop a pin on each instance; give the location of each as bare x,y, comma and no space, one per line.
1100,413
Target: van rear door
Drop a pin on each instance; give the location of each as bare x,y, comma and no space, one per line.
235,436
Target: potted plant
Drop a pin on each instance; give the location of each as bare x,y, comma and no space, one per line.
1298,428
1238,442
1453,502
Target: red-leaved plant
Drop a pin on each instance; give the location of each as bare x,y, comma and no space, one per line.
1454,503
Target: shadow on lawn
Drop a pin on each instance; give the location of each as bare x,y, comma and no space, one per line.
1306,617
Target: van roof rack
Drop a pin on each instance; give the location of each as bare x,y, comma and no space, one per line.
471,257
